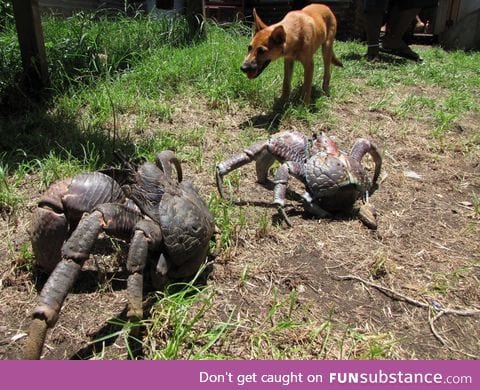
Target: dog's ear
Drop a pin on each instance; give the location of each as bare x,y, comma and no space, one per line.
278,36
258,23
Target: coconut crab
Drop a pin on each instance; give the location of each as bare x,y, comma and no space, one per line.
141,203
334,180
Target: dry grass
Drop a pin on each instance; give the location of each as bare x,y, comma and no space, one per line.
275,290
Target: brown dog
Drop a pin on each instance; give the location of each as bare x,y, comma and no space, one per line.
296,38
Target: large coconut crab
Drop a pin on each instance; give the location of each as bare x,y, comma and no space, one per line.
142,203
334,180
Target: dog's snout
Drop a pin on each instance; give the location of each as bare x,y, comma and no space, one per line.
247,67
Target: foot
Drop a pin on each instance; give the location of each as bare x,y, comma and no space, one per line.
372,53
372,57
401,51
419,27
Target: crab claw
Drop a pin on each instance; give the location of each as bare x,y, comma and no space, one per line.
165,160
363,146
368,215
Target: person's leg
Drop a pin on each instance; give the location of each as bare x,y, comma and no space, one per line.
399,22
374,12
393,42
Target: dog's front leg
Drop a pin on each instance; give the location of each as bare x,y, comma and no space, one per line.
287,78
307,81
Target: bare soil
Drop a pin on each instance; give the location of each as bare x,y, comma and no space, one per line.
426,247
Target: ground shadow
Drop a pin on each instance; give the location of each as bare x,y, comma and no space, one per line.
297,210
104,337
93,273
296,102
268,185
118,330
294,209
31,129
88,280
270,121
383,59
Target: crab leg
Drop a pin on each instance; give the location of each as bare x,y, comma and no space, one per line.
147,235
37,334
254,152
46,313
281,182
117,220
367,212
314,208
49,228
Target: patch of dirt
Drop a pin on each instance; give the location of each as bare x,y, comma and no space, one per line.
426,247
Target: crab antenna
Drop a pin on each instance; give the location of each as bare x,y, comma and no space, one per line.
123,159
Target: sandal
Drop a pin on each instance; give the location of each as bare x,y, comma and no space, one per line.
402,51
372,57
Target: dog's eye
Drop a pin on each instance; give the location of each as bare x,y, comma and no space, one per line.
249,47
261,50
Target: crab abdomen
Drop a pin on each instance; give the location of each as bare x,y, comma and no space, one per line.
88,190
60,209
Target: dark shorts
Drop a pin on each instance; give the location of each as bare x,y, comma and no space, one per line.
401,4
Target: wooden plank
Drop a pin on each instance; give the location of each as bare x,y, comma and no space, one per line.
70,6
195,13
30,37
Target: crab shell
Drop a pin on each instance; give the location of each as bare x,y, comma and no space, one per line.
336,182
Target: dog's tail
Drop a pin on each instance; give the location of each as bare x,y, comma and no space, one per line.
336,61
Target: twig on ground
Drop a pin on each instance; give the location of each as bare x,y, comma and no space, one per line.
476,357
431,320
440,311
396,295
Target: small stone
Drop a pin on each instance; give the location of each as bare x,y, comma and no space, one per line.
412,175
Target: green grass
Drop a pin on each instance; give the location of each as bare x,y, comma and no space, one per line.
149,64
176,317
476,204
229,220
367,346
282,321
10,198
455,73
